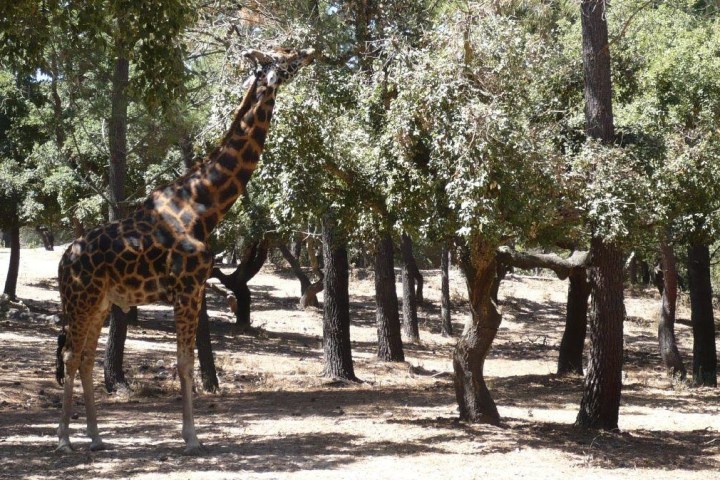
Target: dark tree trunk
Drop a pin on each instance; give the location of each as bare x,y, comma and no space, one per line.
666,326
253,259
703,323
114,373
204,348
600,404
500,271
447,329
644,272
476,405
570,358
632,268
14,265
117,140
336,308
390,348
413,269
410,318
47,237
296,247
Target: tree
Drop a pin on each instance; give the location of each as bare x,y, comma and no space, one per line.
666,326
390,348
600,404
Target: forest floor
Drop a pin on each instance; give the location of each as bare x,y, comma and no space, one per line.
276,417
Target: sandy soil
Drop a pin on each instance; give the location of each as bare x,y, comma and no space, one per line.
276,417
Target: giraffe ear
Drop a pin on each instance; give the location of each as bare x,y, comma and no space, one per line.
257,56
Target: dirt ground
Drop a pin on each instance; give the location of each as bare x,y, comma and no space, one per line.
276,417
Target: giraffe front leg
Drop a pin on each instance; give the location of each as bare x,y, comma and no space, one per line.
71,365
186,316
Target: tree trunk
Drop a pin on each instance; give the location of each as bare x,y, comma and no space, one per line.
253,259
390,348
336,308
204,348
114,373
47,237
447,329
117,139
410,318
476,405
570,358
703,323
666,326
600,404
308,291
644,272
14,265
414,270
296,247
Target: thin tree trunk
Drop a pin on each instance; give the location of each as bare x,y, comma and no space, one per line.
475,403
570,358
390,348
410,318
336,308
204,348
447,329
666,326
600,404
114,374
703,323
308,290
14,265
644,273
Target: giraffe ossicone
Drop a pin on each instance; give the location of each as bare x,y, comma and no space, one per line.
159,253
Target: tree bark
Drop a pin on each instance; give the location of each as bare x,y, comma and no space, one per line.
114,374
308,290
703,323
475,403
253,259
570,358
336,308
445,314
600,404
561,266
390,348
14,265
204,347
410,318
666,326
414,270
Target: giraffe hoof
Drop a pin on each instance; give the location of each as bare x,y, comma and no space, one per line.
195,450
64,448
98,446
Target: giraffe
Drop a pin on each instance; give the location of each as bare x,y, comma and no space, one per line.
159,253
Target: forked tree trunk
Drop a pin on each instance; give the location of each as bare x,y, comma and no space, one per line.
204,347
14,265
570,358
600,404
308,290
703,324
666,326
336,307
473,396
409,308
253,259
390,348
445,314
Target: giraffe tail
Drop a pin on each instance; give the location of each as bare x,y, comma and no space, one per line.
59,362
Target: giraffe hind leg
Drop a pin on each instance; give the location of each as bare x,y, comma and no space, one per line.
71,363
87,362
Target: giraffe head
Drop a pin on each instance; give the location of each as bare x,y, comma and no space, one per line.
278,66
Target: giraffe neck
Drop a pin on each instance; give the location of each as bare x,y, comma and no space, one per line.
200,199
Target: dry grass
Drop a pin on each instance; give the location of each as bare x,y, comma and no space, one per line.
277,417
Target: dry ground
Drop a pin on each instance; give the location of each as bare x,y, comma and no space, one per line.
275,417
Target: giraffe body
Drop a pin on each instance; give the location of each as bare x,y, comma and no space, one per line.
159,253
